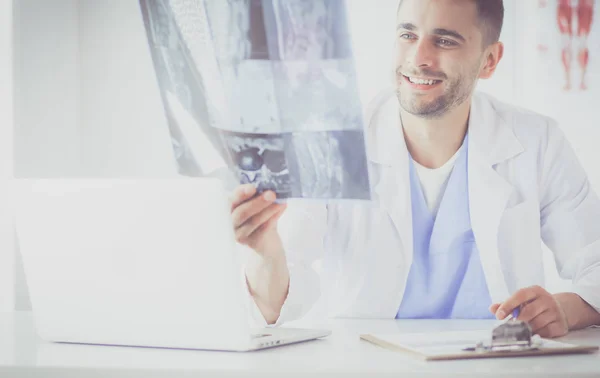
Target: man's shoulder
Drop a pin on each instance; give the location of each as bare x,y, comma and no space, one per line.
511,112
525,123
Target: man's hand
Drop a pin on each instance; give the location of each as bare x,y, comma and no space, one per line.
539,308
255,219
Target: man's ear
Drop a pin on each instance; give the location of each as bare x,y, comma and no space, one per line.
493,56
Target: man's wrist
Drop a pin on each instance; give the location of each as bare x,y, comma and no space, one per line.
565,302
579,314
271,250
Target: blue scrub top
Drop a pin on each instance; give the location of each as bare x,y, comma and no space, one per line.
446,279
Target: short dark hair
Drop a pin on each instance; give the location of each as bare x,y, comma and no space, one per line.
491,18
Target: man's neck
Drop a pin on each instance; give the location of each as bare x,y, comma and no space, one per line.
432,142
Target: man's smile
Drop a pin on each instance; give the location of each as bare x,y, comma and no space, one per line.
421,83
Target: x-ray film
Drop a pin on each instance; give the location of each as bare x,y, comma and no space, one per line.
264,88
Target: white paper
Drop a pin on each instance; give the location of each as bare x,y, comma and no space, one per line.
451,342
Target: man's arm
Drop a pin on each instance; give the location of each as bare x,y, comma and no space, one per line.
569,215
279,274
578,312
254,221
268,278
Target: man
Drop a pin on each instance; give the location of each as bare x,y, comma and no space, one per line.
465,189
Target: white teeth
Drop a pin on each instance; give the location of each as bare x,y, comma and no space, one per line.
421,81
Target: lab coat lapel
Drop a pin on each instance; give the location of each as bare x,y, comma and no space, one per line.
388,153
491,141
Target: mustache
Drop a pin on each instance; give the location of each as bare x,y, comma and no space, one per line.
423,72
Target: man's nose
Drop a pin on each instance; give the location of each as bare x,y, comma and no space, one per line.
423,54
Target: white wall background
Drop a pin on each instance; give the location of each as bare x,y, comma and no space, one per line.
87,102
46,88
123,127
7,271
86,97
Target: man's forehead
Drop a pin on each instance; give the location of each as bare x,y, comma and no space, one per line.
458,15
464,5
449,11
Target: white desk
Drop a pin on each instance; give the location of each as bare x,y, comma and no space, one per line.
23,354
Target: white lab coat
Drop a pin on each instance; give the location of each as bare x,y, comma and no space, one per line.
525,186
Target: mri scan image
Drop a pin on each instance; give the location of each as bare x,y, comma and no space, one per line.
264,89
300,30
260,160
326,165
178,73
314,73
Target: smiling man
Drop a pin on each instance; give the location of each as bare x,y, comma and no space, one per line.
466,188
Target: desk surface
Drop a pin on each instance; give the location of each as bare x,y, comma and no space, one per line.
23,354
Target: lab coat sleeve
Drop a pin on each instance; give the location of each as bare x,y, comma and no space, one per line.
570,217
302,229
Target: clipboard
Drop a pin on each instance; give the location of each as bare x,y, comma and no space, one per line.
451,345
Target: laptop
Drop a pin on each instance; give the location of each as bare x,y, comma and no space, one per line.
144,262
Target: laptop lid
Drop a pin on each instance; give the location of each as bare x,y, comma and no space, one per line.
150,262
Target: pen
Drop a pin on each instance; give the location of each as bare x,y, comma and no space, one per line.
512,316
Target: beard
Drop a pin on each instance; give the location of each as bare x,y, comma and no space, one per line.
457,90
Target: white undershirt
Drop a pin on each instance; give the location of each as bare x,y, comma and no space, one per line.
434,181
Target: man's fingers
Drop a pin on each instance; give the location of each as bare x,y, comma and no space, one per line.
554,329
256,221
539,309
494,307
254,239
241,194
542,320
531,310
520,297
242,213
273,221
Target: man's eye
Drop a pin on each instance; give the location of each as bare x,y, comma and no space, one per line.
446,42
406,36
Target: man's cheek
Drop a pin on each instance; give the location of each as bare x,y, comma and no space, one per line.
399,56
397,75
